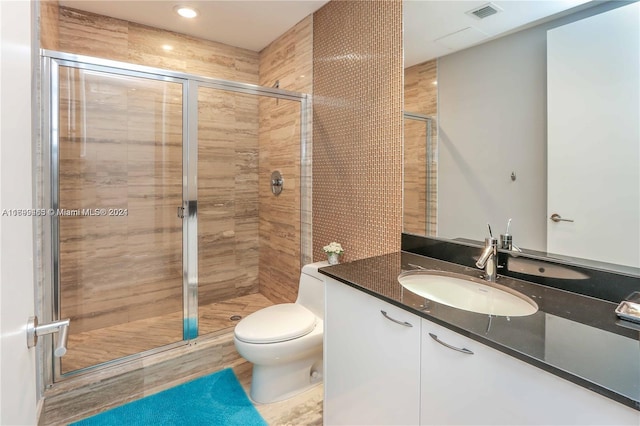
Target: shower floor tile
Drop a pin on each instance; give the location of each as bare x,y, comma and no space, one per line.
102,345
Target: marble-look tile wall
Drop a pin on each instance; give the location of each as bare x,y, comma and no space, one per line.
420,97
228,222
120,150
288,60
84,33
414,179
228,162
421,88
357,127
48,24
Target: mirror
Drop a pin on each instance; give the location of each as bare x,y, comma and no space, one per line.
494,97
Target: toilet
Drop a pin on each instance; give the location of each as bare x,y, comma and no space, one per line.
284,342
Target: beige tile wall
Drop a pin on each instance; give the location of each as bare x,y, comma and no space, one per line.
414,207
421,97
228,158
357,127
289,61
88,34
48,24
228,238
120,148
420,88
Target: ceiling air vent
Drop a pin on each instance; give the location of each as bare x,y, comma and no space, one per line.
484,11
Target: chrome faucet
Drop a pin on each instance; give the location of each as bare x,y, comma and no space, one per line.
489,259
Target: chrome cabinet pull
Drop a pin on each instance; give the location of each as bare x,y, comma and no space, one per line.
557,218
406,324
463,350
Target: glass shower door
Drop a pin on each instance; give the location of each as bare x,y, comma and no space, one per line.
118,182
419,176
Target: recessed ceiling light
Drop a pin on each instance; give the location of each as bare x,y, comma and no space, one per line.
186,12
167,47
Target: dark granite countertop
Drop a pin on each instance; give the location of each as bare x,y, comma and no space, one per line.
576,337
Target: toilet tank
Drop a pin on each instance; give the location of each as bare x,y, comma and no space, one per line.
311,288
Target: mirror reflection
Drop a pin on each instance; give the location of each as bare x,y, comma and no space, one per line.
525,128
420,175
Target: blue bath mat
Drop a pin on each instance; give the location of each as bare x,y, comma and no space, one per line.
216,399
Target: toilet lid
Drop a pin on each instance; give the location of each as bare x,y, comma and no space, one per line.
276,323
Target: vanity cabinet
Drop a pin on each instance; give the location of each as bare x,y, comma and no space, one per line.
382,372
372,363
491,387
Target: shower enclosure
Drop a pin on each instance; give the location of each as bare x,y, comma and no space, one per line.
151,185
420,175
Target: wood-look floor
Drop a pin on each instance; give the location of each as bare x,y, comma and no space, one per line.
69,402
303,409
106,344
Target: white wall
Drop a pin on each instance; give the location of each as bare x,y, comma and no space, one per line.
492,118
593,133
492,121
17,363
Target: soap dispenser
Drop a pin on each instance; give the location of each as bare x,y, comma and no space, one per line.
506,240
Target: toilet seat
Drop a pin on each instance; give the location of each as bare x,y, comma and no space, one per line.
276,323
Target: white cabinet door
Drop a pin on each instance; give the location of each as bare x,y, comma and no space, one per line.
490,387
372,364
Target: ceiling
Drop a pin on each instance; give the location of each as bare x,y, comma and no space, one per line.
437,28
431,28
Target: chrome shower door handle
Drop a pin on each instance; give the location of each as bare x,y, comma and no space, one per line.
61,327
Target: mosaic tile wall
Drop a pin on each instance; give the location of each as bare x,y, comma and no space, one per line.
357,127
420,97
287,60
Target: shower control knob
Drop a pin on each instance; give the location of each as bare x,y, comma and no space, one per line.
277,182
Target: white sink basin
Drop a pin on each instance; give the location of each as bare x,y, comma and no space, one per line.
468,293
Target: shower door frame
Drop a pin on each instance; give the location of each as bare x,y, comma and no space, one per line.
48,306
428,160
